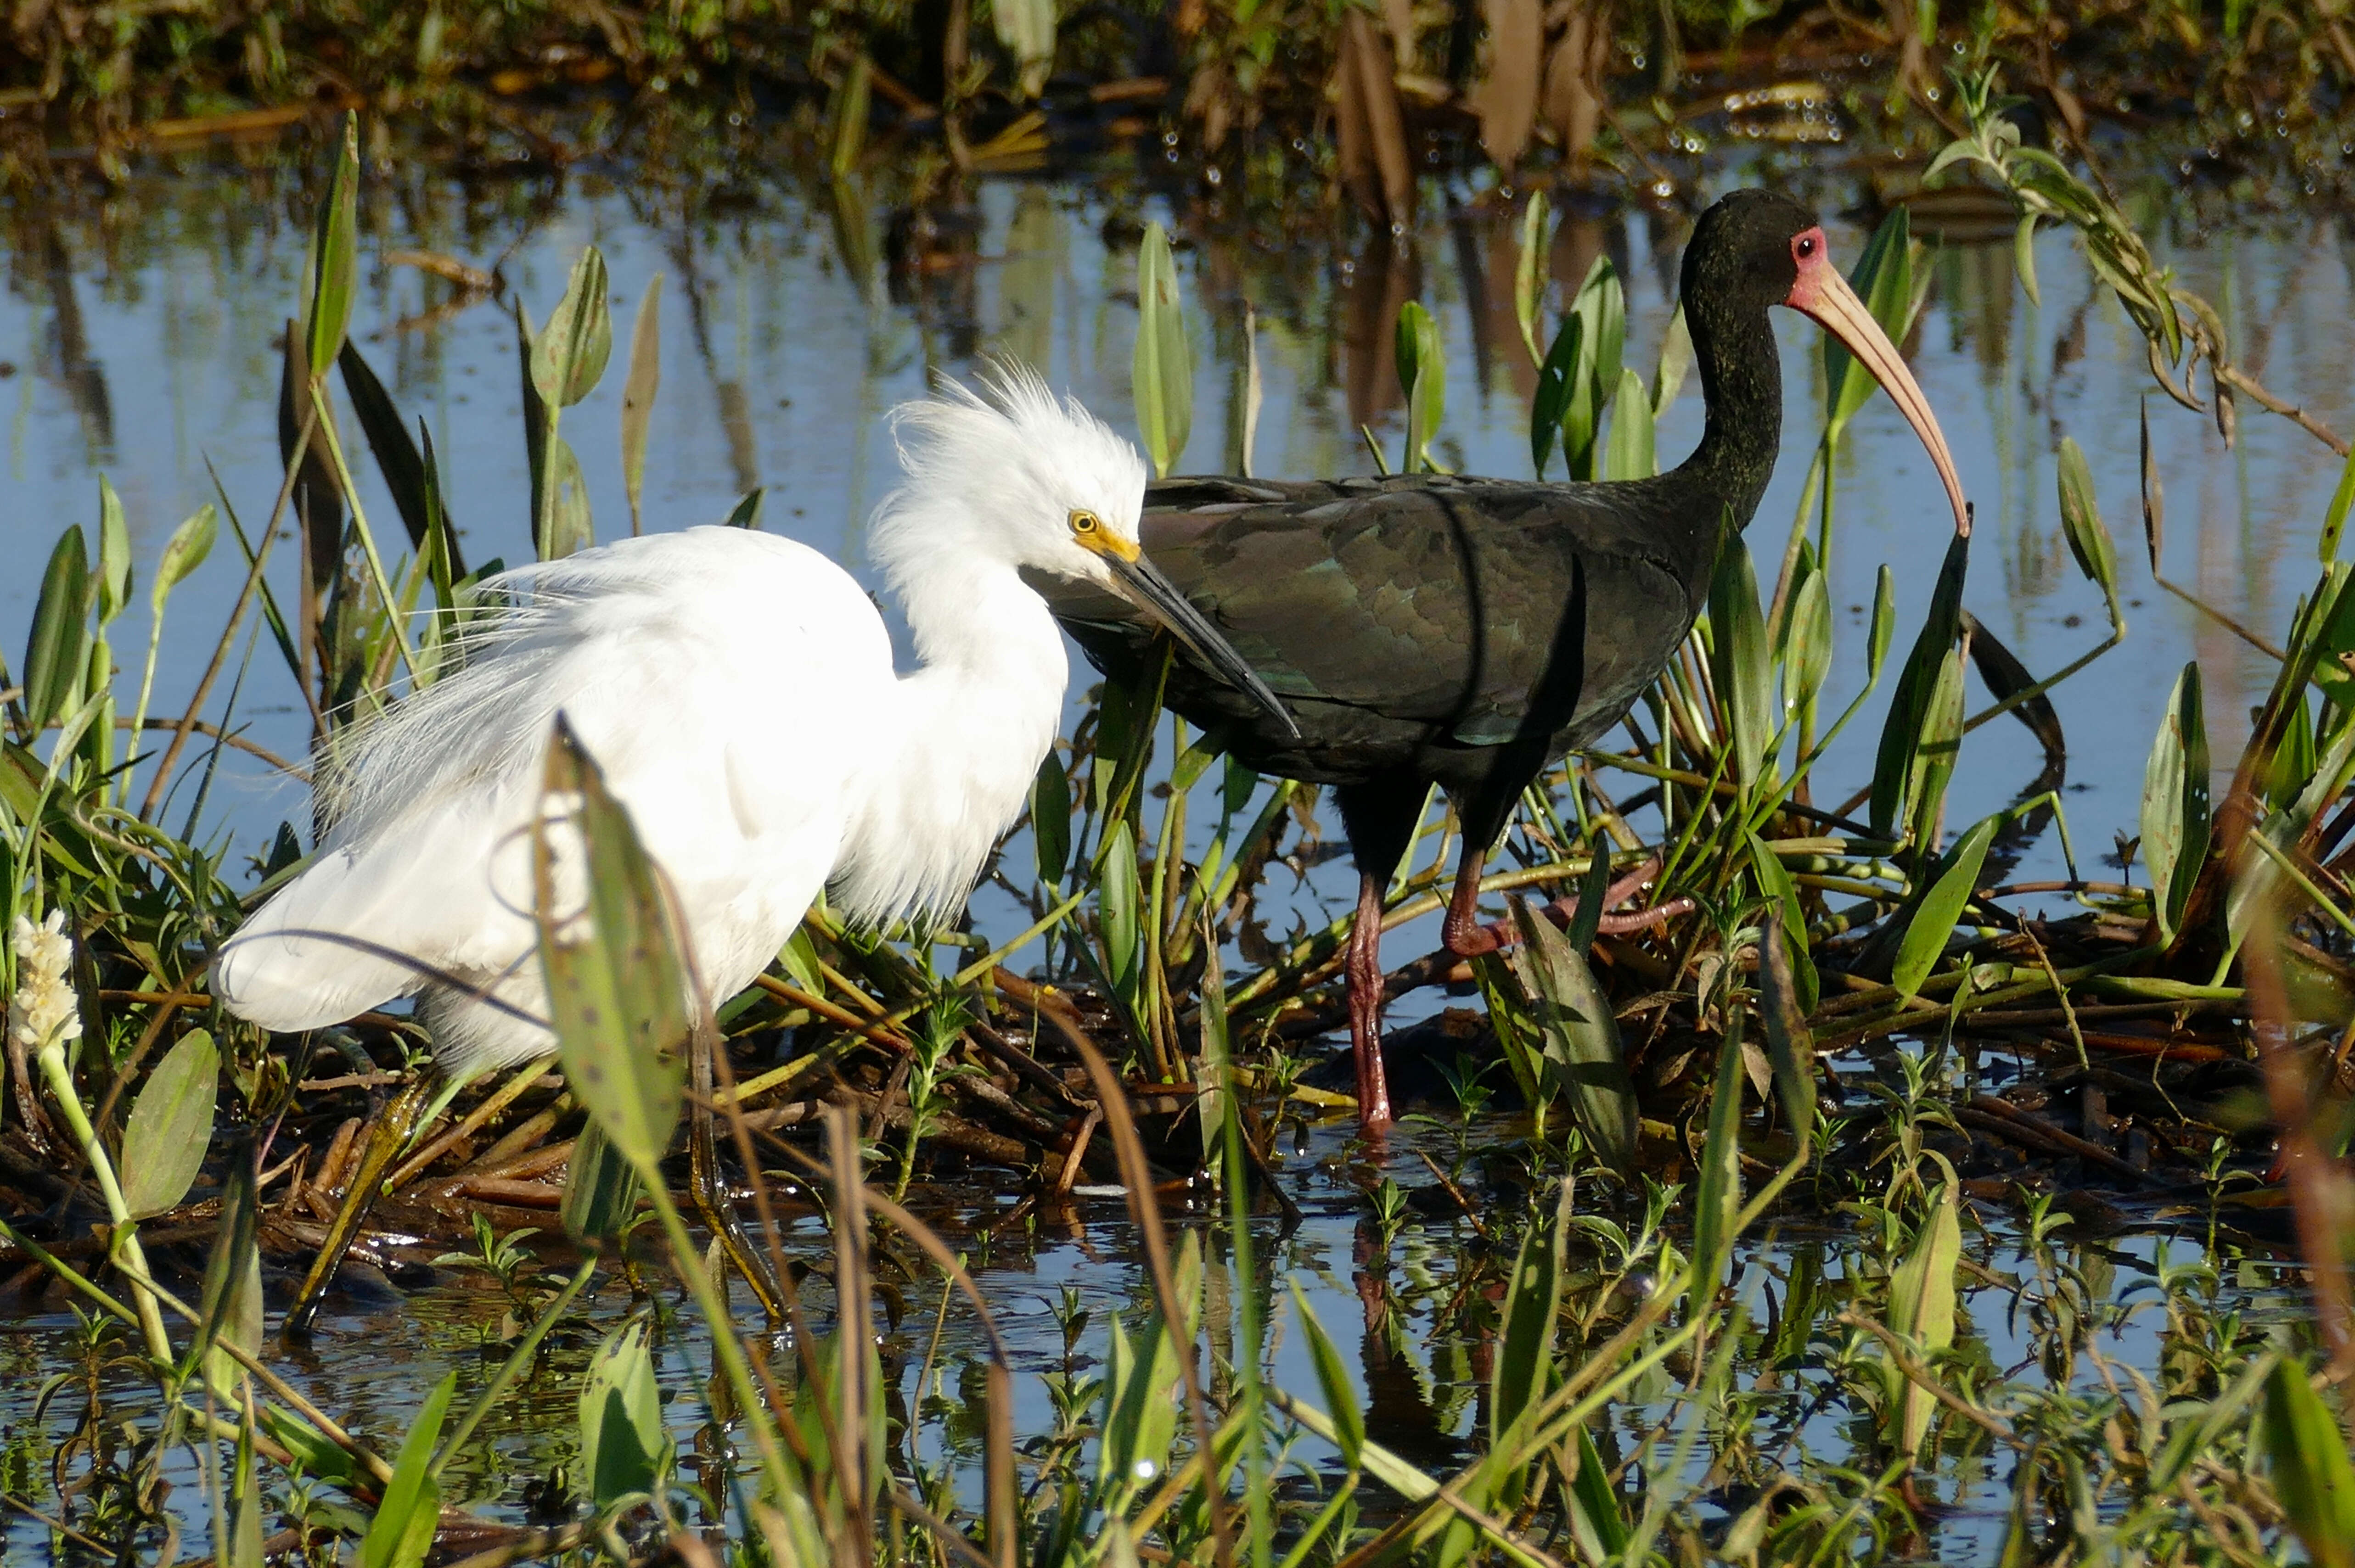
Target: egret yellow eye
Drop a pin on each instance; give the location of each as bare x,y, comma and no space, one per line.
1084,522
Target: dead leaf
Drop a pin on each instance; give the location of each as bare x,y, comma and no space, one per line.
1507,99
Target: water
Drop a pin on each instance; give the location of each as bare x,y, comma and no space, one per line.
139,338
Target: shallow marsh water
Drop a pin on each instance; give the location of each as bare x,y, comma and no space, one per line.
140,337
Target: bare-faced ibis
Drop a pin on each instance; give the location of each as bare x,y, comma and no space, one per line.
1465,633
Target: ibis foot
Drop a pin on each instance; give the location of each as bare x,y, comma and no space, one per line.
1364,971
1467,936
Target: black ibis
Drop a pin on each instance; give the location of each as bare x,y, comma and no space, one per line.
1464,633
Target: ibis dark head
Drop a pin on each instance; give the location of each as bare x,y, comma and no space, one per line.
1757,248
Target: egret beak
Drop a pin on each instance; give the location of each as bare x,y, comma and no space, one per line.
1137,581
1822,294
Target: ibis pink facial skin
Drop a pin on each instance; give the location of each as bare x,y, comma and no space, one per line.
1823,296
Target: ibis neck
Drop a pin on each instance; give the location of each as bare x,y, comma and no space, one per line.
1742,388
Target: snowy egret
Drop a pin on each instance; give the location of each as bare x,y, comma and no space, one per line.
738,691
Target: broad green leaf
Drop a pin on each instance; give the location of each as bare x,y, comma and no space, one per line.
1883,625
1941,909
1808,646
184,552
1774,882
1161,373
624,1447
1884,278
1051,817
638,389
2175,808
1900,732
1119,902
171,1125
1783,1007
114,554
1582,1053
1529,272
335,258
1921,1307
230,1308
1601,308
1738,663
2334,517
1675,362
570,355
616,980
1524,1370
601,1189
1552,399
402,1531
56,658
2081,520
746,512
2023,257
1423,378
1629,455
1333,1378
397,455
568,529
1717,1199
847,116
1935,753
2311,1472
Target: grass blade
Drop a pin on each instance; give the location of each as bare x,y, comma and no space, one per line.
638,389
1161,373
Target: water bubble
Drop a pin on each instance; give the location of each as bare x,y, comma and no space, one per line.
1145,1470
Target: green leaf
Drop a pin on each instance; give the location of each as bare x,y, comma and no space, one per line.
1422,378
746,512
184,552
402,1531
114,554
1774,882
1783,1007
1717,1200
570,355
1529,272
616,982
1523,1372
625,1449
2081,520
2311,1472
601,1189
1629,455
1921,1307
2023,257
414,493
846,115
57,657
2175,806
1118,903
1552,399
230,1306
568,529
335,258
1161,373
2334,517
1051,817
1883,625
1601,308
1739,665
1808,646
1900,732
1935,916
1676,361
638,389
1884,278
1333,1378
1582,1054
171,1125
1935,753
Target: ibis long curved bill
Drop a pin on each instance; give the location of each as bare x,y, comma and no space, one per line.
1143,585
1824,296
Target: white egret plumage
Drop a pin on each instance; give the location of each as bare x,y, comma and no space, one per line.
738,690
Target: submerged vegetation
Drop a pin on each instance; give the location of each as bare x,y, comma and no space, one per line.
1749,1199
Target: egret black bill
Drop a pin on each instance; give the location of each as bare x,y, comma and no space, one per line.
1138,581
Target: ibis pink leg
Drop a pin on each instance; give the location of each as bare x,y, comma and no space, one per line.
1364,970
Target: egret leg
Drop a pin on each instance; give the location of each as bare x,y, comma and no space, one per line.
387,1134
1364,970
711,1198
